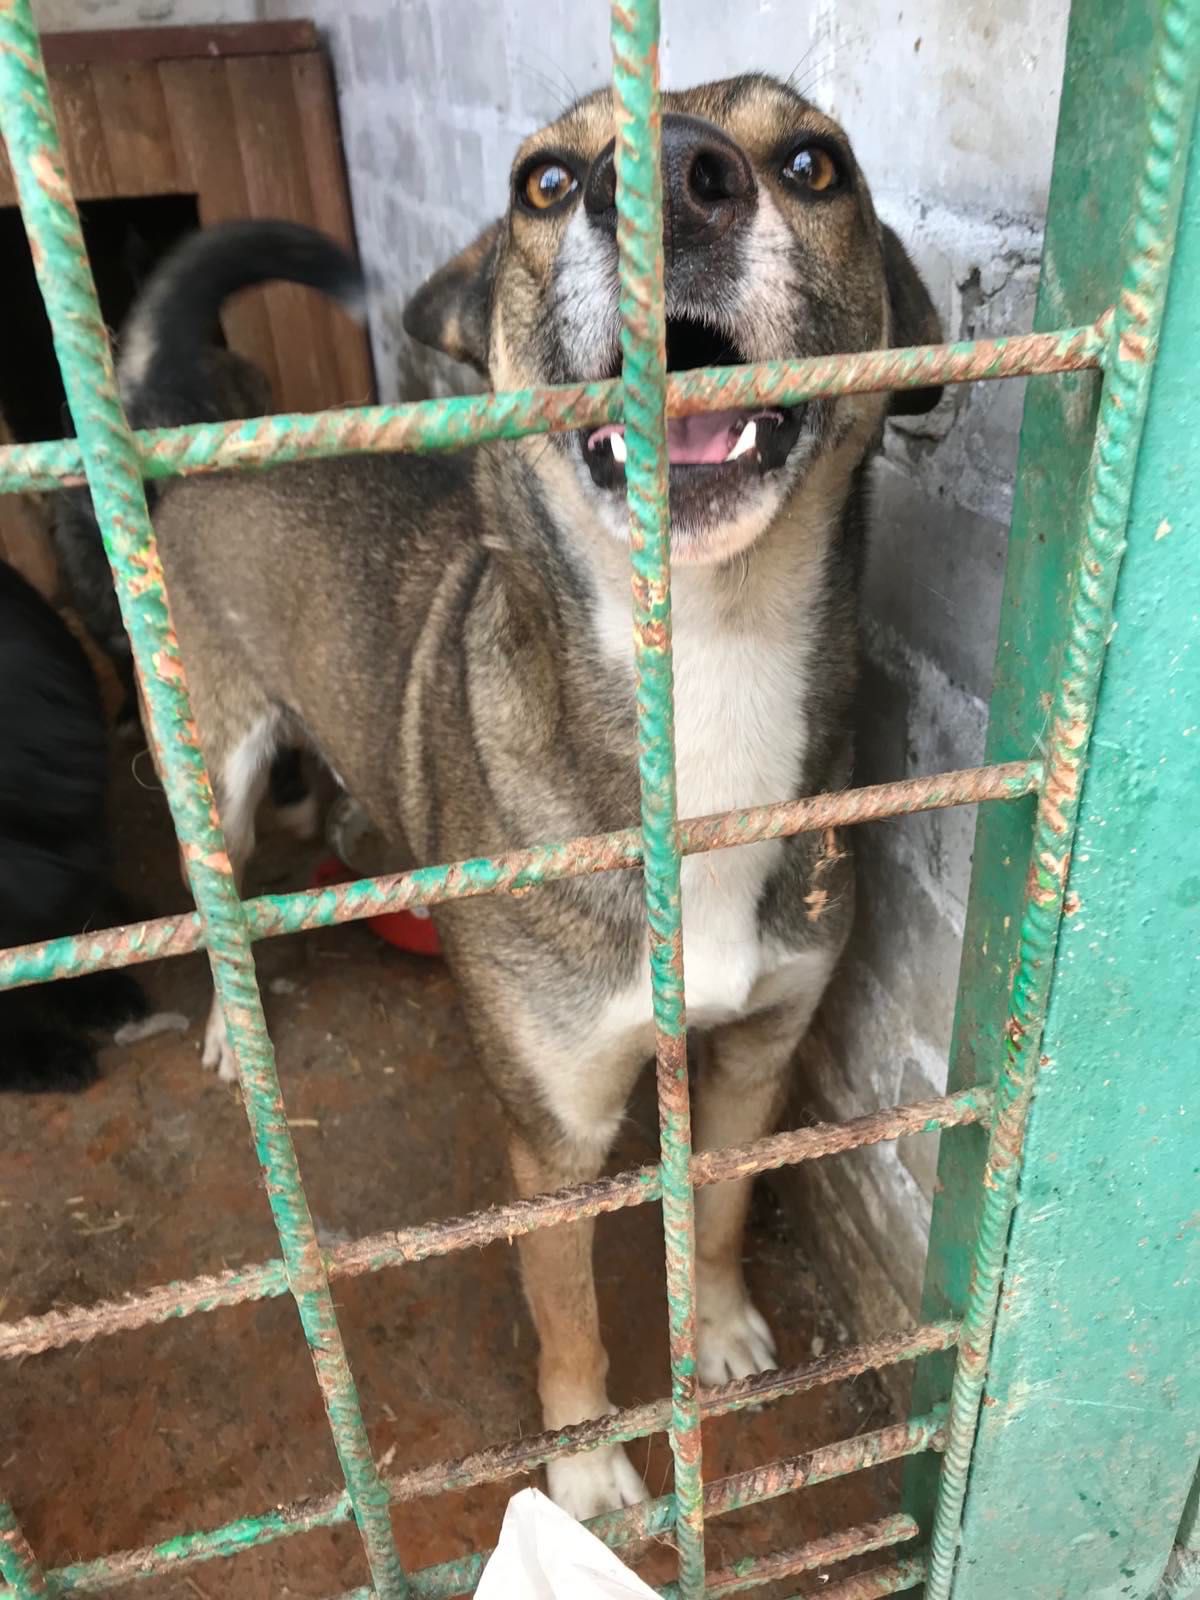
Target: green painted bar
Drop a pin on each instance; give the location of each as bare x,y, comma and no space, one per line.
269,916
635,33
1091,1433
462,420
18,1564
1101,120
1181,1579
652,1519
114,475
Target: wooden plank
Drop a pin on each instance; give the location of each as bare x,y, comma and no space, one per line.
122,45
82,133
137,133
324,159
204,136
272,152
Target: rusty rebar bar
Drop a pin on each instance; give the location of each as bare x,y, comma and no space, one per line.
19,1566
53,1329
1172,95
463,420
725,1495
874,1584
270,916
751,1572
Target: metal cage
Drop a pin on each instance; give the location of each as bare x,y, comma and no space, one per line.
1088,431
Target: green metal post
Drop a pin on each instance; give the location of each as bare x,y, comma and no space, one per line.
635,32
1101,125
1082,1455
114,475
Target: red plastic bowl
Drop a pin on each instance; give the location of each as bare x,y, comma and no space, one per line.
407,930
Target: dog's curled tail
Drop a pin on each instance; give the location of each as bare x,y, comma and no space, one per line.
170,327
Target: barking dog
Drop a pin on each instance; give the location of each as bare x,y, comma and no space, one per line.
452,635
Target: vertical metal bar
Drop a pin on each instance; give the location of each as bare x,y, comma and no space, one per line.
1122,418
18,1564
635,33
1181,1580
1106,76
114,475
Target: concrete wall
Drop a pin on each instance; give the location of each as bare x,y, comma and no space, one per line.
951,105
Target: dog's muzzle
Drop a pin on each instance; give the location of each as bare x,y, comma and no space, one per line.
709,193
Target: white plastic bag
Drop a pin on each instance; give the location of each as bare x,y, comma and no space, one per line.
544,1554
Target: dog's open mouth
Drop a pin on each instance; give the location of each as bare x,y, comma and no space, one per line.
713,444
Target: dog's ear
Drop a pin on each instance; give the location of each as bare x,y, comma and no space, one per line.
914,321
452,311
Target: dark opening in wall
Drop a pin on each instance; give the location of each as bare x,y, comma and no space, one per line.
125,239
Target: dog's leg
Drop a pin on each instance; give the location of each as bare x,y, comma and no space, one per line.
556,1266
743,1082
241,780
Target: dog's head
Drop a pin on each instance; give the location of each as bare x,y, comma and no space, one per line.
772,252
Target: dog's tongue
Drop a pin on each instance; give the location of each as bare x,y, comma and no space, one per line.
708,437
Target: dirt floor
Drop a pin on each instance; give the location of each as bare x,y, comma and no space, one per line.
150,1176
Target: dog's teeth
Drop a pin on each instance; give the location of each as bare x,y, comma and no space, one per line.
617,440
746,441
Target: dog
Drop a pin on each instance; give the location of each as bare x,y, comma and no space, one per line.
451,634
55,853
207,383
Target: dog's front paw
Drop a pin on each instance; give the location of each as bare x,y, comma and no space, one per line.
600,1480
218,1052
733,1339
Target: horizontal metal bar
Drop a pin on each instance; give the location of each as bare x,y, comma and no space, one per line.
895,1578
639,1422
269,916
751,1572
654,1519
54,1329
464,420
495,1463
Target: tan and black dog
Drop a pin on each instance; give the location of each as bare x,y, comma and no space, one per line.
452,635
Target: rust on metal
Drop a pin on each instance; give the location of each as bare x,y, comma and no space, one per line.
776,1478
465,420
827,1552
18,1564
895,1578
53,1329
515,871
832,1461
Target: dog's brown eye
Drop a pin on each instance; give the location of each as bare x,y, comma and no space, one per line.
548,183
812,168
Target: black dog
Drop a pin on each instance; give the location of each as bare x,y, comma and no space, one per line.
55,853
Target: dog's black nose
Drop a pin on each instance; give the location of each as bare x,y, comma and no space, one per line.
708,183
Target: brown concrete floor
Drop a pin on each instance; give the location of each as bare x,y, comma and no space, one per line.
150,1176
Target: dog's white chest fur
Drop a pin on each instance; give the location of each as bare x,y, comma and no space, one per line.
739,741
